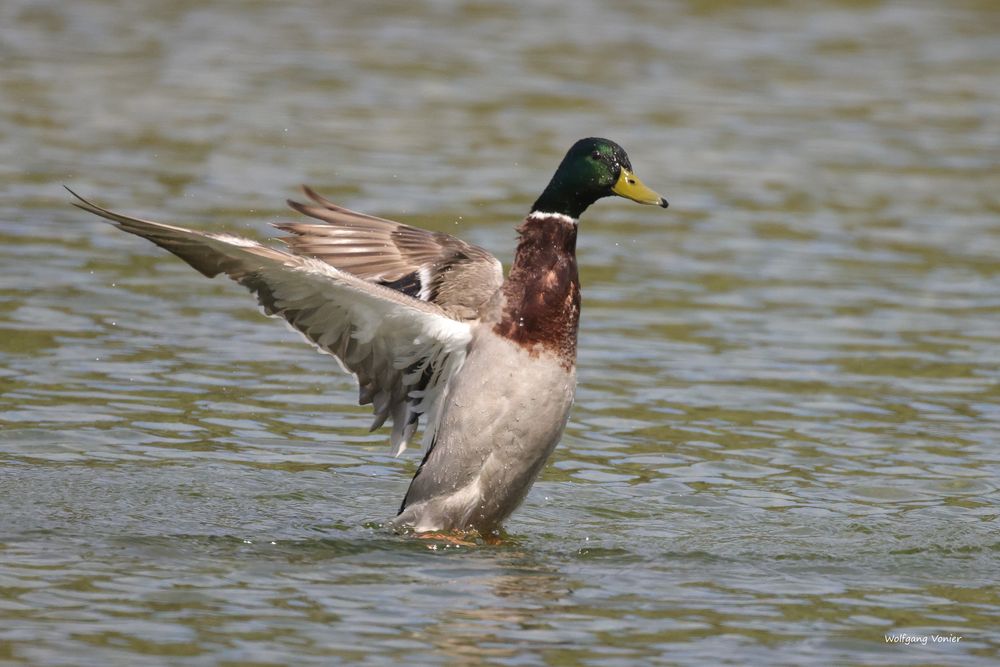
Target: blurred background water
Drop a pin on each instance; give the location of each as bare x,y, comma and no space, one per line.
785,442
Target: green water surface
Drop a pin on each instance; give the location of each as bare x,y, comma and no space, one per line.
786,440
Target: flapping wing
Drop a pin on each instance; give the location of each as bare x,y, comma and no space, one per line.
430,266
402,350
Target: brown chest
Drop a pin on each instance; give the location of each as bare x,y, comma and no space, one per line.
541,310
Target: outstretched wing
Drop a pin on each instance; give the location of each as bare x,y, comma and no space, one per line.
402,350
430,266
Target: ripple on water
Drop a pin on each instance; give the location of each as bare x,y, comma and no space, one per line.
784,441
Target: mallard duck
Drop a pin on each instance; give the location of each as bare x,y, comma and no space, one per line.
429,327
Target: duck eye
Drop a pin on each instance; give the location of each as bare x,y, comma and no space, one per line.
596,155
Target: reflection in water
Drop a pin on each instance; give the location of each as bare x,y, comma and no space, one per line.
784,442
516,606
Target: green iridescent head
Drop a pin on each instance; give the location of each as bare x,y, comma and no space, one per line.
593,168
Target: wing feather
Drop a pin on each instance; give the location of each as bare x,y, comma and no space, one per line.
431,266
402,350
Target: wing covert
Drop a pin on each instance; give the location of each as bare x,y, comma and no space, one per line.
430,266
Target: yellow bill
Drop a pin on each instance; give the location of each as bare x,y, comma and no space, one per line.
630,187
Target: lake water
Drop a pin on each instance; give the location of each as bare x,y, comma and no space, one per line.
786,442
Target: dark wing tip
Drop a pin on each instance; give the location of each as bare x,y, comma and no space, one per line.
318,198
91,207
305,209
81,203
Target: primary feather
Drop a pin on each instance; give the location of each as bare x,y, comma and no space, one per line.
402,350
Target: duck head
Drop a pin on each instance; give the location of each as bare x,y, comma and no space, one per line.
593,168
